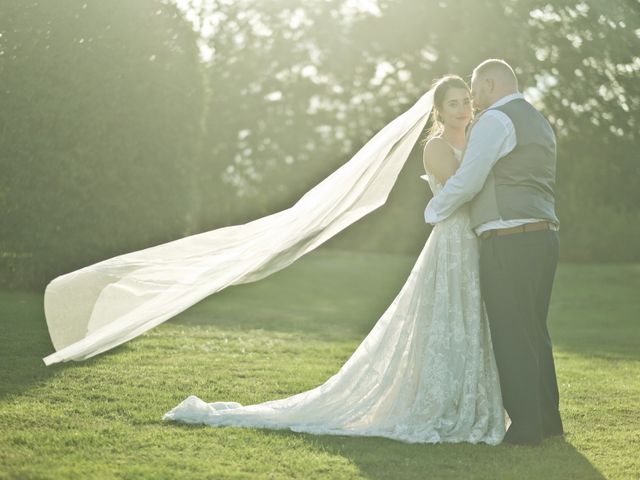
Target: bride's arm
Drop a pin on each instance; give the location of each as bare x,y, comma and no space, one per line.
439,160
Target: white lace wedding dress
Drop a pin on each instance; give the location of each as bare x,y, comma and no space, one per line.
425,373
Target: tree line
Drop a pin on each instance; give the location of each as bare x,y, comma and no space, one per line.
129,124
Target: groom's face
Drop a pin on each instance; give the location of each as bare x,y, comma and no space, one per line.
479,92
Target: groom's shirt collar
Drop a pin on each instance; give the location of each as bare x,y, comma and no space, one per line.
506,99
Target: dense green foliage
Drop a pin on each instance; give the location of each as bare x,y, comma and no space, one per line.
100,116
102,418
128,124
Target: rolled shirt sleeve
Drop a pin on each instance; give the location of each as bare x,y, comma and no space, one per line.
492,137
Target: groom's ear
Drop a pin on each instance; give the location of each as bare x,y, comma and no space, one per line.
491,84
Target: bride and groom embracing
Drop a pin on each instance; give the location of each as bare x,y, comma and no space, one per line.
466,339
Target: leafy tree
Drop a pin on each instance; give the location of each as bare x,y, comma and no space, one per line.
128,124
101,108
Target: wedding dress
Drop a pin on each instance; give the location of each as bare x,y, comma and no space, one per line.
424,374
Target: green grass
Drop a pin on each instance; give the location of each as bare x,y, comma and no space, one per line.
102,418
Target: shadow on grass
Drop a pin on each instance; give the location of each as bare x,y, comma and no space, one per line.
24,342
327,295
595,310
381,458
340,295
335,295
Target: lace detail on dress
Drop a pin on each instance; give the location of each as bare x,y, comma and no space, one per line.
425,373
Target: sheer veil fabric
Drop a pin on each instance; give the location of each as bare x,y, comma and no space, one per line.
101,306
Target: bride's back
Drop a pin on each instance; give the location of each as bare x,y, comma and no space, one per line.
436,186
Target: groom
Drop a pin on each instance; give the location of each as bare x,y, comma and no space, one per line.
507,175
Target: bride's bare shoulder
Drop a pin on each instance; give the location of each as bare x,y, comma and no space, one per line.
438,159
437,147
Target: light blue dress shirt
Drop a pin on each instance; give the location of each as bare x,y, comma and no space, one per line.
491,138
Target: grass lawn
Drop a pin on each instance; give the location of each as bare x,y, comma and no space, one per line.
102,418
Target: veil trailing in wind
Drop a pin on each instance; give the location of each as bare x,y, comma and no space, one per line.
103,305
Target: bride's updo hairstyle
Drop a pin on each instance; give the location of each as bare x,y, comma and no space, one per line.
441,86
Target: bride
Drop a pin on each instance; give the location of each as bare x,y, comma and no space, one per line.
426,372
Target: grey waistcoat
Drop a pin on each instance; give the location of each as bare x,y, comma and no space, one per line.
521,184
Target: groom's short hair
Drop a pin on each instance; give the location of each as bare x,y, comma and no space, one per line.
497,67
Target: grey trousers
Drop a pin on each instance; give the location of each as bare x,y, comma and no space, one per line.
516,278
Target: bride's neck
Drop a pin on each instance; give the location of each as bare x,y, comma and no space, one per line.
455,136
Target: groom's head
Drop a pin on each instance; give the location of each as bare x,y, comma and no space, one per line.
492,80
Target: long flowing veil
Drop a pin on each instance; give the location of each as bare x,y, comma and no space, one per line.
103,305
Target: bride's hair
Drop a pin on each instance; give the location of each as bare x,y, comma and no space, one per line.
441,86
